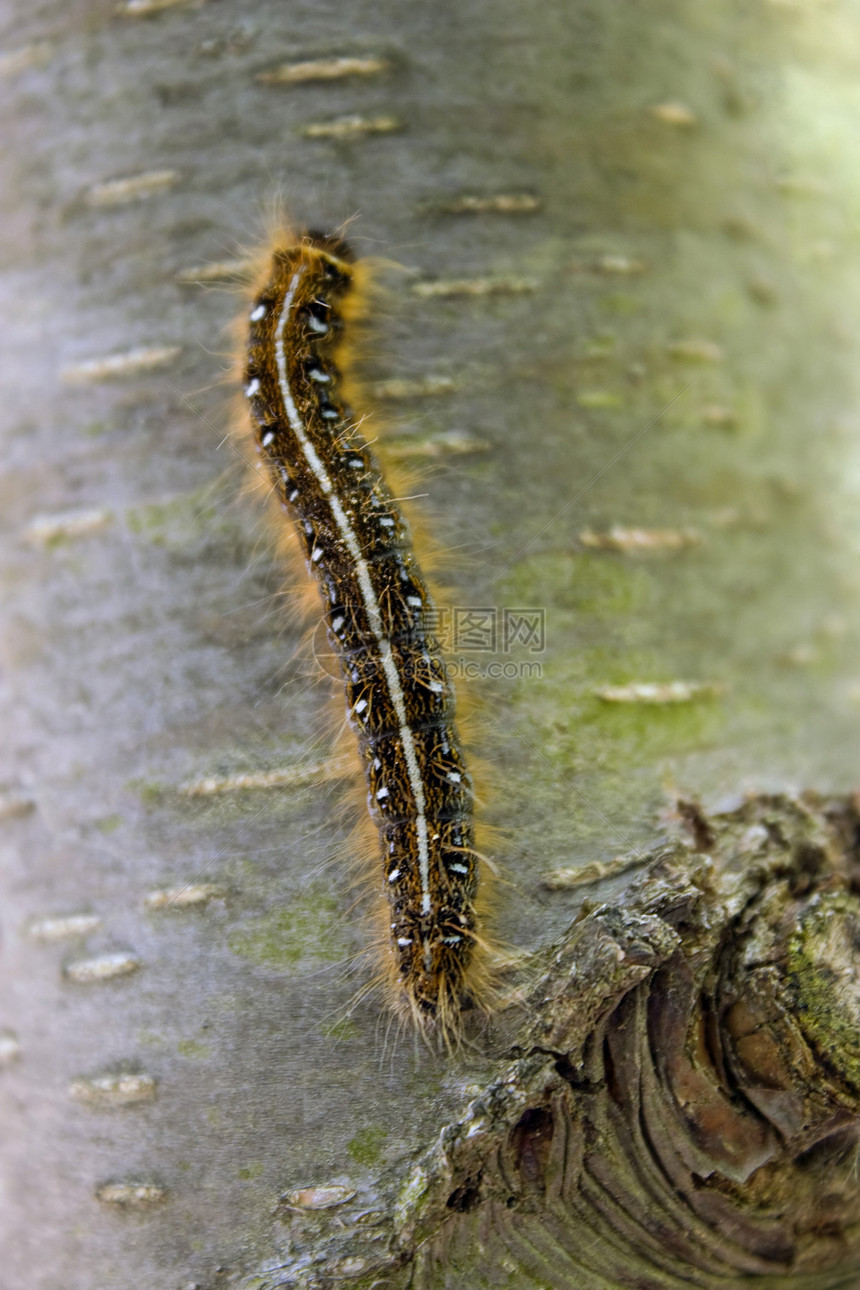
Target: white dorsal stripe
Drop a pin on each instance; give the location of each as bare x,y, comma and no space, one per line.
368,594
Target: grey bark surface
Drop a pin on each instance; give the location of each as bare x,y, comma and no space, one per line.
671,347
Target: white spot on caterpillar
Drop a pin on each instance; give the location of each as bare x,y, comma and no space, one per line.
337,623
252,388
317,374
317,325
382,794
268,439
415,601
458,868
360,706
454,776
394,875
317,554
404,940
258,314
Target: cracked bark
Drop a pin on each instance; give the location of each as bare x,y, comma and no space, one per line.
680,1106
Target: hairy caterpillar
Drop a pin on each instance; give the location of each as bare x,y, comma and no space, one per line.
379,619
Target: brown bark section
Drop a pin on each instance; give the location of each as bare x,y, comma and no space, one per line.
683,1107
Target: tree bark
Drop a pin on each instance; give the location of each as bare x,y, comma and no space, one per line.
639,421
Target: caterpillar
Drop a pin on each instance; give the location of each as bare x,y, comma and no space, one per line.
379,618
